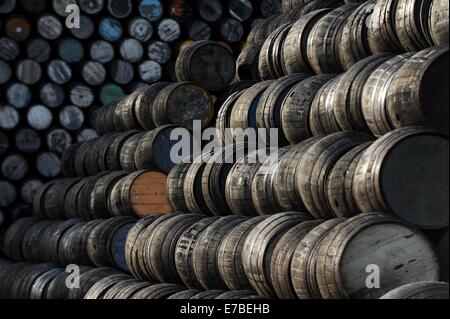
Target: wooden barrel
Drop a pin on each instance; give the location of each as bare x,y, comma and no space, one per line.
184,251
302,269
52,95
184,295
295,111
102,189
128,153
280,263
337,271
247,63
382,29
205,252
141,193
419,290
30,243
243,114
118,245
229,259
268,113
28,141
101,288
160,247
181,103
155,147
259,245
131,290
218,65
199,30
224,117
81,95
438,22
373,96
42,283
21,287
239,185
113,151
14,167
88,278
411,24
322,120
134,244
323,42
425,102
270,59
175,185
158,291
340,183
50,240
143,105
258,32
315,166
262,187
99,243
284,183
295,45
424,209
209,294
118,288
192,187
38,49
10,49
347,100
354,43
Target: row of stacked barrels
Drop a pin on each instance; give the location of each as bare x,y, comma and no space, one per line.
330,36
52,77
374,96
288,256
47,281
326,176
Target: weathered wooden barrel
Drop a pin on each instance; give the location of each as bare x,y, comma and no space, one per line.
209,294
103,187
100,244
12,244
205,252
132,288
438,22
217,65
140,194
101,288
160,247
243,114
239,184
270,59
133,244
184,261
339,183
424,103
295,56
158,291
259,247
154,149
303,271
280,263
396,176
373,97
411,24
268,113
295,111
420,290
323,41
263,194
347,100
322,120
286,194
339,273
315,167
214,177
184,295
192,187
118,288
229,258
89,278
181,103
248,62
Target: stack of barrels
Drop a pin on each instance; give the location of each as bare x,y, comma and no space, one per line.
326,176
288,255
330,36
353,107
53,76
